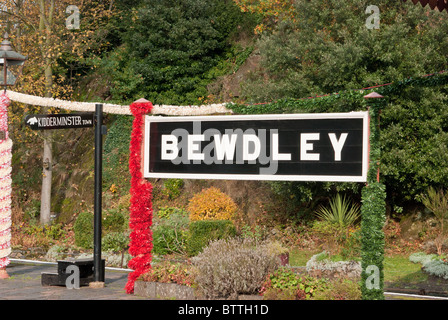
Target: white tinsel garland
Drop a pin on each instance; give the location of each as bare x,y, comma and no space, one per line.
218,108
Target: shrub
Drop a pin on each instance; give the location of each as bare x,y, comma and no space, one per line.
437,268
211,204
341,212
83,229
113,221
168,212
284,284
422,258
431,263
115,241
200,233
170,231
437,202
233,266
172,188
166,272
339,289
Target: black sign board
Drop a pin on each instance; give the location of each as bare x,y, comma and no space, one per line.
294,147
59,121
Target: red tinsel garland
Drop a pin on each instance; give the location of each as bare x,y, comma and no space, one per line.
140,245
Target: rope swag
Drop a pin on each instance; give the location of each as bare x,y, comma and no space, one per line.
5,183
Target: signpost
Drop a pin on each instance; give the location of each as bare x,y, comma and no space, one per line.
82,120
59,121
288,147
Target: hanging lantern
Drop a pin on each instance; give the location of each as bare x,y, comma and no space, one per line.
11,63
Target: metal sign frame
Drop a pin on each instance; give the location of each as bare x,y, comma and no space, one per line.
276,118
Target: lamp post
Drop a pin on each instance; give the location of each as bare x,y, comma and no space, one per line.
10,62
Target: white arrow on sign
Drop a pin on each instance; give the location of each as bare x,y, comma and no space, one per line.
32,121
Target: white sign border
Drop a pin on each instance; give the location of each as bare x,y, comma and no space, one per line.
364,115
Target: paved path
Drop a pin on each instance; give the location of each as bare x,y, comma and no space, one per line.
25,284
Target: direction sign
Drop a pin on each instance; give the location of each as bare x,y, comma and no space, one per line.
288,147
59,121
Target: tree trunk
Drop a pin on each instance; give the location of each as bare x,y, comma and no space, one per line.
47,173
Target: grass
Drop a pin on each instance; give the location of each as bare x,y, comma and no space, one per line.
299,257
398,270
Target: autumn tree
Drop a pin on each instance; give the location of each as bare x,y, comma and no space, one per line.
269,11
44,31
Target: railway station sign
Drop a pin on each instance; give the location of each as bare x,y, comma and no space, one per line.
285,147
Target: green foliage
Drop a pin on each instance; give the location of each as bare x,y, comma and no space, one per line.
327,48
116,154
115,241
414,136
437,202
255,233
170,231
284,284
341,212
49,232
201,232
431,263
339,289
172,188
114,220
169,49
373,212
168,212
114,223
83,229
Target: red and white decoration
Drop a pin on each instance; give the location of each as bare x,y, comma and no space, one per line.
5,184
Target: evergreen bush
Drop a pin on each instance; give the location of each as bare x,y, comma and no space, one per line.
170,228
201,232
83,229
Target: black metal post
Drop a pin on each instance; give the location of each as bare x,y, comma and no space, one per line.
98,274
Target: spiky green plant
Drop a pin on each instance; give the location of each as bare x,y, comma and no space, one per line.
341,211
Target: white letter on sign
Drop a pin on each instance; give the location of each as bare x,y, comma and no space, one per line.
169,143
194,147
247,139
276,156
337,145
305,146
225,147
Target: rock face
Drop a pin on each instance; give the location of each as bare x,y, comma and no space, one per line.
324,268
